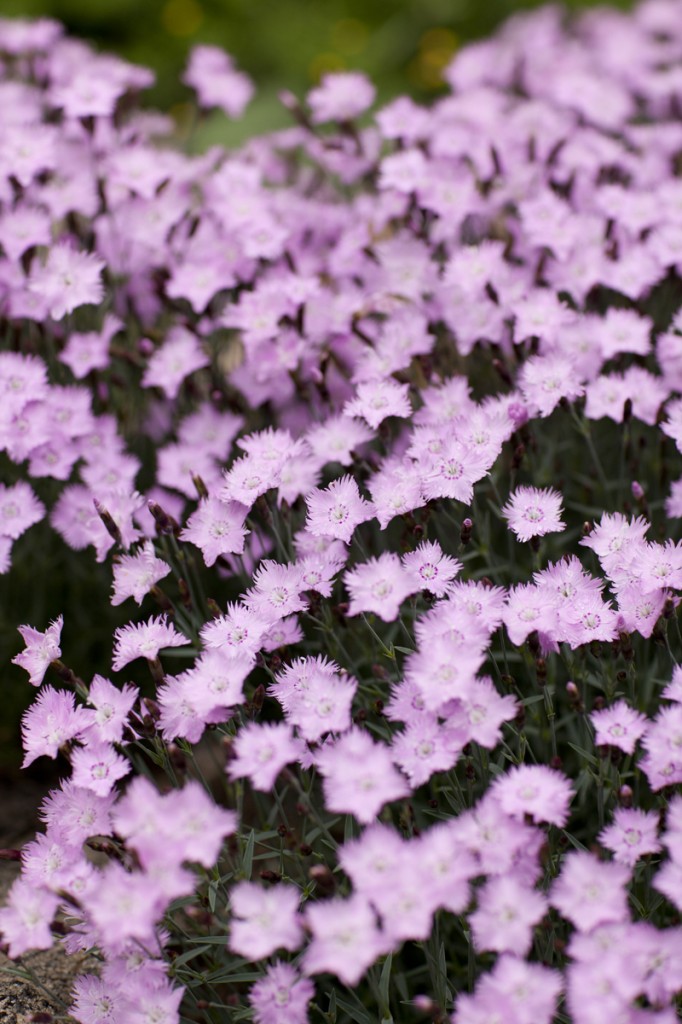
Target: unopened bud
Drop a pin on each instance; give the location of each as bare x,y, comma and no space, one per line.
110,525
152,708
625,796
466,531
323,878
164,522
185,595
200,486
637,490
213,607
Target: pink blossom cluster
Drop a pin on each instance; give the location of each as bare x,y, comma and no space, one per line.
378,420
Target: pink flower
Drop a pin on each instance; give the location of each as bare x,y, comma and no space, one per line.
453,471
663,740
633,834
377,399
430,568
19,509
619,726
217,527
281,996
590,892
341,96
346,939
379,585
528,610
73,814
506,913
545,380
125,906
26,918
526,992
52,720
211,73
276,592
41,649
480,714
359,776
94,1001
533,512
144,640
426,747
98,767
238,634
336,510
261,751
135,575
264,920
179,356
536,790
67,280
336,439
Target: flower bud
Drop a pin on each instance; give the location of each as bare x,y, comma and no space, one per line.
465,532
625,796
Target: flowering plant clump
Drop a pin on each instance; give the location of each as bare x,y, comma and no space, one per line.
376,422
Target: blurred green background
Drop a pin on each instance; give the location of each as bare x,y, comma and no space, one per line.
402,44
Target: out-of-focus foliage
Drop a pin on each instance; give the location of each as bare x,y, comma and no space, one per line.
402,44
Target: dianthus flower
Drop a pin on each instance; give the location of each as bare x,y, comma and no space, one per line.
67,280
281,996
98,767
217,82
632,834
264,920
135,575
19,509
179,356
359,776
377,399
341,96
533,512
506,913
41,649
536,790
346,939
662,742
51,721
545,380
336,510
589,891
144,640
26,918
619,726
430,568
237,634
379,585
261,751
